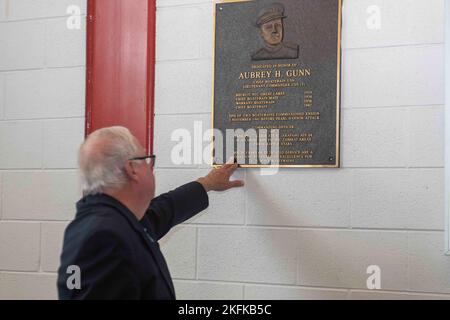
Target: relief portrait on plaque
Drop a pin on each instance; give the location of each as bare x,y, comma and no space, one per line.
271,28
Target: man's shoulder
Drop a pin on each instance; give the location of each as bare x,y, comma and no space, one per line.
290,45
261,50
260,54
98,220
86,236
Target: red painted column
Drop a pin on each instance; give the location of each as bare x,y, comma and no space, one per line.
121,66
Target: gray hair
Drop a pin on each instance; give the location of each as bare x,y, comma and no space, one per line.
102,158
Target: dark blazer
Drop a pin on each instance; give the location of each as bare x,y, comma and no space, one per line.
118,256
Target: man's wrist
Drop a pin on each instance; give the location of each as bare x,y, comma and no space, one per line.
205,184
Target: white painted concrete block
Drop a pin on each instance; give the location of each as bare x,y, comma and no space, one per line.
26,38
26,9
65,47
166,126
3,13
394,76
264,292
167,3
27,286
396,199
20,144
52,235
32,9
198,290
1,192
388,295
59,7
178,33
19,246
184,33
330,258
224,207
380,198
2,96
247,254
57,93
426,199
401,22
374,138
429,268
62,139
192,82
426,137
179,248
51,195
299,198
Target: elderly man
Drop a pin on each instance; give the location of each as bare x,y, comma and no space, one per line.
111,249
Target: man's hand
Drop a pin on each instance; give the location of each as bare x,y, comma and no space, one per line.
219,179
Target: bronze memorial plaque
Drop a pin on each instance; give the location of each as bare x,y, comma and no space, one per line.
277,83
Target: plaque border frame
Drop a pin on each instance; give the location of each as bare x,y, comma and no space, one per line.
338,95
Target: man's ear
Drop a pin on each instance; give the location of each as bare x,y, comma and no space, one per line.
130,169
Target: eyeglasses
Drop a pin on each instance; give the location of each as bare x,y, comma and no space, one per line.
151,160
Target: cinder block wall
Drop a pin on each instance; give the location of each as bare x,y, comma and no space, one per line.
297,235
312,233
42,86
